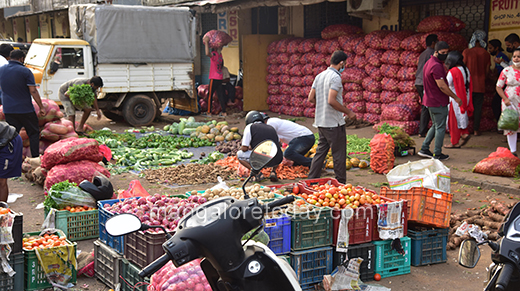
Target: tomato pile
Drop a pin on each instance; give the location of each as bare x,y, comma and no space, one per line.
342,196
43,242
77,208
4,210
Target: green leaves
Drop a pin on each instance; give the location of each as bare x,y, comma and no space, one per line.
81,95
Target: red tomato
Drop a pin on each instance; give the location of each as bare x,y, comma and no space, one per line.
377,277
296,189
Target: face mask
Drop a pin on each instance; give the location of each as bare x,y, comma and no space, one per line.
510,50
442,57
341,70
516,64
493,53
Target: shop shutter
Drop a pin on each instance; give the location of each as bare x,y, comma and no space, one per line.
208,22
318,16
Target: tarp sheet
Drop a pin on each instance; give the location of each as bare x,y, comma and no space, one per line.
135,34
216,6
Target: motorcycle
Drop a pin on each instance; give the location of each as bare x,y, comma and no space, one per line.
213,232
504,271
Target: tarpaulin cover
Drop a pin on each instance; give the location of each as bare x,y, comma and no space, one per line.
135,34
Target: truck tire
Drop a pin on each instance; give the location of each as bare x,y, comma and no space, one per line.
112,116
139,110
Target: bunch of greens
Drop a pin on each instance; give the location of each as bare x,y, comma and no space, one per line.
401,139
209,159
81,95
65,193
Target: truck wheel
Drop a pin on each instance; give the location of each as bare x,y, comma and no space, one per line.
112,116
139,110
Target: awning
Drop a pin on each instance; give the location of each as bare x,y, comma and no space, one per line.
216,6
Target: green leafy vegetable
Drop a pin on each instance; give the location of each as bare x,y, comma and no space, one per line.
81,95
56,191
401,139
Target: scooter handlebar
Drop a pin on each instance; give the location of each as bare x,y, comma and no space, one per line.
154,266
279,202
504,277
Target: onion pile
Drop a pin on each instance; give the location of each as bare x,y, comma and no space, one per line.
157,209
188,277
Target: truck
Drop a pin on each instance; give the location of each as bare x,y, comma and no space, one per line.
145,56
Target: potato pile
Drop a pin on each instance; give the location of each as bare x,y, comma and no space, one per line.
254,192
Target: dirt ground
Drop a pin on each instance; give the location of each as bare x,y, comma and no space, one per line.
469,190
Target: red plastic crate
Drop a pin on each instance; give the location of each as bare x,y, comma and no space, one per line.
359,226
320,181
404,218
301,187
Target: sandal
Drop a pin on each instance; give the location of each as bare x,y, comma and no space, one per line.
258,178
450,146
465,140
273,177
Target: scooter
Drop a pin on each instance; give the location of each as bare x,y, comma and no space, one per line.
504,271
213,231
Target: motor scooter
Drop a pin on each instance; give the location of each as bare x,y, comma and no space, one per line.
213,232
504,271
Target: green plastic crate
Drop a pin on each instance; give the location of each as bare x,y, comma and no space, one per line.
311,229
15,283
78,225
35,278
130,279
389,262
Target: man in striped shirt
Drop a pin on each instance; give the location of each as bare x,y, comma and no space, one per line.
326,93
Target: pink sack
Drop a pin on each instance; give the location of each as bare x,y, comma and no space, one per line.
413,43
69,150
74,172
336,30
445,23
217,38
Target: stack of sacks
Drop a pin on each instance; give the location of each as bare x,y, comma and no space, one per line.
73,159
203,92
446,28
353,76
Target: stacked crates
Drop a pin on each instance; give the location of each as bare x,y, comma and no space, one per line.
16,258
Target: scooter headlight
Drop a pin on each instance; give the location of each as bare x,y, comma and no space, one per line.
205,215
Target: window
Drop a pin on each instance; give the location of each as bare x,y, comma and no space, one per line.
318,16
37,55
69,58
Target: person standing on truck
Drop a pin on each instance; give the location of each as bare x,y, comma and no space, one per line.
5,50
215,76
70,110
18,85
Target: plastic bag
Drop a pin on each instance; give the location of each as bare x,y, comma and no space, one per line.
508,119
389,223
58,264
261,237
135,189
73,196
221,184
432,174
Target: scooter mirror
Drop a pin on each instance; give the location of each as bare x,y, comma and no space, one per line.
122,224
262,154
469,253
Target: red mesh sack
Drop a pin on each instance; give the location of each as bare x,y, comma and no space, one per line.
273,69
407,86
188,277
281,46
357,107
391,57
307,69
413,43
409,59
409,97
371,97
373,72
388,96
441,23
309,112
297,101
307,58
359,116
296,70
456,41
345,39
320,59
297,111
271,48
390,71
307,45
274,108
321,46
74,172
372,85
359,46
390,84
270,100
374,108
295,59
349,62
272,59
293,45
336,30
332,45
353,96
410,127
382,153
284,109
283,58
375,38
353,75
393,40
374,56
360,61
272,79
498,166
297,92
396,111
69,150
51,109
296,81
286,99
285,79
371,118
285,69
218,38
350,44
273,89
352,87
319,69
308,80
308,104
407,73
286,89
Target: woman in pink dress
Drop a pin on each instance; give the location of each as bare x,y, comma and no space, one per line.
510,77
215,76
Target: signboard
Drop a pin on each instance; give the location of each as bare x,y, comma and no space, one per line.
228,22
504,15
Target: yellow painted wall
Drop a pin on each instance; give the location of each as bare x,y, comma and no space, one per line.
61,24
6,28
45,26
19,28
31,28
231,58
378,23
296,20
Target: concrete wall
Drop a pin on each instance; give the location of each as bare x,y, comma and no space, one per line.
391,23
45,25
296,21
18,28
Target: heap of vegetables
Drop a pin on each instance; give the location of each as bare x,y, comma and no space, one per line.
66,194
401,139
357,151
211,130
81,95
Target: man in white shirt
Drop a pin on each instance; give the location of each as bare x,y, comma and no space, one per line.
299,138
5,50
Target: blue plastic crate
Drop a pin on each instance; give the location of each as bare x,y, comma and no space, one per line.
389,262
311,265
279,231
308,286
429,246
117,243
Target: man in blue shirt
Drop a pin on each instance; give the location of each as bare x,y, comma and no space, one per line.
18,85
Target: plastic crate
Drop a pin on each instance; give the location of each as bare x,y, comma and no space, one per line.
17,233
129,277
311,229
311,265
279,231
15,283
389,262
35,278
428,246
287,258
320,181
365,251
426,206
115,242
142,248
313,286
404,218
77,225
360,225
106,264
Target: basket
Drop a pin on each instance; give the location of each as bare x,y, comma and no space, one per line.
15,283
404,218
428,246
107,264
426,206
311,265
115,242
142,248
279,231
77,225
389,262
129,277
365,251
311,229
